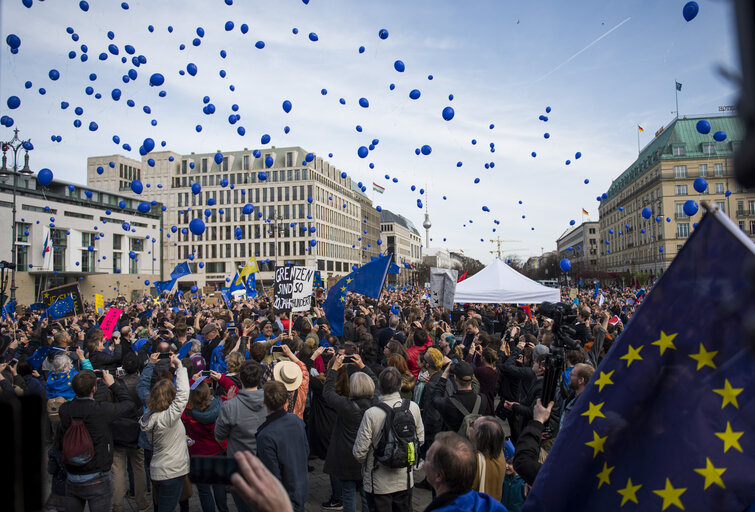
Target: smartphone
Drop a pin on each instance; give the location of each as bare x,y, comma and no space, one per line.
98,374
212,470
164,355
348,359
205,373
245,339
13,362
277,348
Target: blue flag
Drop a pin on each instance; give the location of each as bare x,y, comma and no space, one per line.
251,286
666,422
367,280
317,282
61,308
147,313
164,286
182,269
9,310
596,291
37,306
184,350
236,284
38,357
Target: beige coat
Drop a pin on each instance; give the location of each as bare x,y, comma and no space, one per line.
385,479
166,432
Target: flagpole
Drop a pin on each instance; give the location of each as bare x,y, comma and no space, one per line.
676,95
638,140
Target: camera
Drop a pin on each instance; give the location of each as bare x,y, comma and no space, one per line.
563,316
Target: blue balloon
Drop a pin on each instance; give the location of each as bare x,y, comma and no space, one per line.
121,204
690,11
191,68
364,103
383,34
399,66
259,45
577,155
719,136
565,265
84,5
313,37
196,188
14,102
156,80
362,152
690,208
361,49
533,154
93,126
703,126
269,161
572,222
229,25
218,158
547,135
265,139
137,187
426,150
144,207
700,185
448,113
54,74
196,226
415,94
44,177
286,106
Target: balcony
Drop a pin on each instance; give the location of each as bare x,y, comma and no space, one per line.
745,213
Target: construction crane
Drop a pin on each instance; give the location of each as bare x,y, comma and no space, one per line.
498,243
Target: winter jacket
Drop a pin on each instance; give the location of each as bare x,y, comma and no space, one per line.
101,360
431,417
239,419
282,447
321,420
495,471
382,479
452,417
340,461
97,418
200,427
471,500
412,354
512,494
167,434
527,453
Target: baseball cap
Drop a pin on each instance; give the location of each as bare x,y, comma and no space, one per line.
463,370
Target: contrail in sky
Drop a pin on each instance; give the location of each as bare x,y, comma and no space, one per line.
581,51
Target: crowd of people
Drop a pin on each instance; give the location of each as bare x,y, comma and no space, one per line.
408,387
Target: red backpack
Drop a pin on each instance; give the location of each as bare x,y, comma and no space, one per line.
78,448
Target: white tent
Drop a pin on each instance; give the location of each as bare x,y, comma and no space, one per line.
499,283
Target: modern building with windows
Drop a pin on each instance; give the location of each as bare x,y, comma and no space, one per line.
662,179
317,211
580,245
97,238
370,225
402,239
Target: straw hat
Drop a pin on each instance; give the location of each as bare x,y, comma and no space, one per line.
288,373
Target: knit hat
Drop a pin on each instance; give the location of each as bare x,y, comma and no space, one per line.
508,450
199,363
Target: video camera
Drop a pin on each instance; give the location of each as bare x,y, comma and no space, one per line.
563,316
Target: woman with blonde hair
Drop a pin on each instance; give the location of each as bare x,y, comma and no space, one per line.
165,431
408,381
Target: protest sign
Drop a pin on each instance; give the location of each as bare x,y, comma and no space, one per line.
110,321
293,289
53,294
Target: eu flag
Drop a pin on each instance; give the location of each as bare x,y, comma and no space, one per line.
367,280
182,269
317,282
38,357
668,420
251,286
164,286
61,308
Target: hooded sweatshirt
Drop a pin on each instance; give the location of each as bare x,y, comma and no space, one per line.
200,426
239,419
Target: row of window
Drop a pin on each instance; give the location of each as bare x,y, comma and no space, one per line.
680,171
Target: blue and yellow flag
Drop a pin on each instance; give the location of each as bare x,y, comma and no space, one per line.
250,267
61,308
182,269
366,280
668,420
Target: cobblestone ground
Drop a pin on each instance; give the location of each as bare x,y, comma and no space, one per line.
319,492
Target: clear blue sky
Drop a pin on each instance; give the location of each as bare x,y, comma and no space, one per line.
604,67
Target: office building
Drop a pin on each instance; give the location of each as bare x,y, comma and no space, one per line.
318,211
580,245
402,239
662,179
97,238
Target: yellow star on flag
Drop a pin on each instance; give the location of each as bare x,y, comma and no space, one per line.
671,495
629,493
604,380
343,288
712,474
594,411
343,299
596,444
349,279
729,394
730,438
666,341
704,358
604,477
633,354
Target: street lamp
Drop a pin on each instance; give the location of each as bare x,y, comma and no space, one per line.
15,145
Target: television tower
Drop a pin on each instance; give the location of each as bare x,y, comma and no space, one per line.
427,224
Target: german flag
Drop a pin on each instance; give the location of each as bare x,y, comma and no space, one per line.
640,128
585,212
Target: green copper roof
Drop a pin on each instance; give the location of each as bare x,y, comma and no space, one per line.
681,132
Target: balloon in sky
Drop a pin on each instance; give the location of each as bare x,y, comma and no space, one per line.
156,80
690,208
700,185
265,139
191,68
362,152
426,150
534,154
137,187
364,103
690,10
547,135
54,74
572,222
196,226
218,158
703,126
14,102
313,37
269,161
144,207
286,106
13,41
577,155
398,66
565,265
719,136
415,94
383,34
259,45
44,177
448,113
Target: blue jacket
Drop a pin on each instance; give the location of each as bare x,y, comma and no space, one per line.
283,448
472,500
512,494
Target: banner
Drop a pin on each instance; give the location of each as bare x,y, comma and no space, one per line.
53,294
443,287
110,321
293,289
99,303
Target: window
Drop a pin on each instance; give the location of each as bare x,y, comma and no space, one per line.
719,188
87,261
680,171
703,170
718,170
678,150
721,206
682,230
289,159
751,207
22,257
136,244
752,227
133,266
204,165
183,166
117,266
246,163
225,164
680,190
592,231
680,211
709,148
22,232
742,225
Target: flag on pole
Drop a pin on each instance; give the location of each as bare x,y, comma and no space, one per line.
377,188
182,269
585,212
666,422
678,86
250,267
46,249
640,128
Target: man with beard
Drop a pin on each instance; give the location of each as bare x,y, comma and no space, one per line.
578,379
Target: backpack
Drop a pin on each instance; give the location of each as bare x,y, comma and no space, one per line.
78,448
398,446
469,417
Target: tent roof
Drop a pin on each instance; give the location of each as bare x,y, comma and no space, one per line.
499,283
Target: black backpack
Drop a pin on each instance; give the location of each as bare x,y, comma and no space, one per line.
398,446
